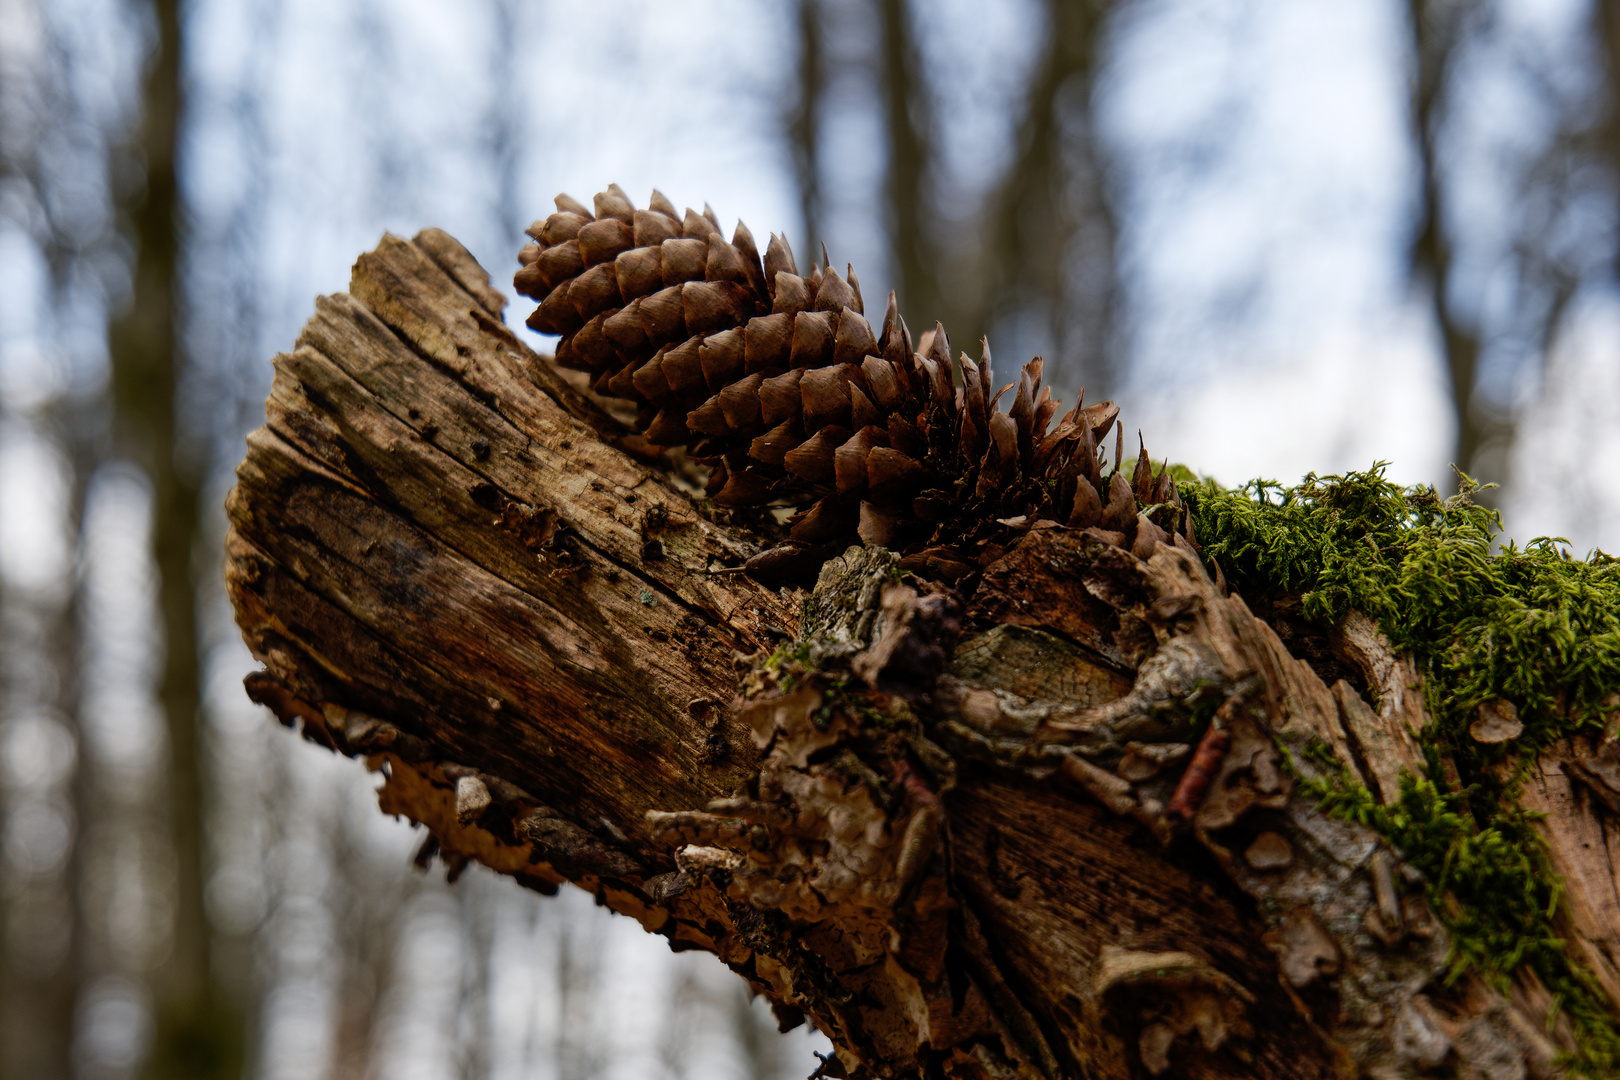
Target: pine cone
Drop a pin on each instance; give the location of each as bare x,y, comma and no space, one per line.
778,382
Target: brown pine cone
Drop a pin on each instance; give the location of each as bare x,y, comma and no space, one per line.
778,382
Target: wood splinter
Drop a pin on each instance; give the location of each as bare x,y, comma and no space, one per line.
1206,762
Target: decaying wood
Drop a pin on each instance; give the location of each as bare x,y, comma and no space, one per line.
945,826
1578,791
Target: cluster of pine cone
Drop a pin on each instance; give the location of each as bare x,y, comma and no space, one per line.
777,381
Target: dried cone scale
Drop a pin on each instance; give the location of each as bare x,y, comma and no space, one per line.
779,382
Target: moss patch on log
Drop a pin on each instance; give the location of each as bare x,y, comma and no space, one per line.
1531,627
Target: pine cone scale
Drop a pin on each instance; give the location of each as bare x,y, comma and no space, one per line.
663,318
640,272
813,459
682,260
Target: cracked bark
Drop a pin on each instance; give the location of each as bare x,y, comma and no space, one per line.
944,827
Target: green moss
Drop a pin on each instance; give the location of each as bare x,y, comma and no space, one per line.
789,652
1532,626
788,664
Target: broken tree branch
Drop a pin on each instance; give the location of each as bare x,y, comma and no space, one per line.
1050,823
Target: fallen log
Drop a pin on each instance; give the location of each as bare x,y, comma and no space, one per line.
1053,821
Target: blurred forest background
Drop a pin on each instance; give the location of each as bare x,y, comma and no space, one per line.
1287,235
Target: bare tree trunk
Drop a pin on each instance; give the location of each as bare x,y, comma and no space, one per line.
804,120
1055,233
198,1033
1606,24
1439,28
910,129
447,566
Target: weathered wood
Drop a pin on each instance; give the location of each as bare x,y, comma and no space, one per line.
1578,791
965,857
417,505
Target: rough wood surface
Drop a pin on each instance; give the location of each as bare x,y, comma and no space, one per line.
963,833
1578,791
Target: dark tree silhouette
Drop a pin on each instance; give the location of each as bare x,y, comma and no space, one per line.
199,1031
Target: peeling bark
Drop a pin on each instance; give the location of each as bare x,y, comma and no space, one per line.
1578,789
1047,824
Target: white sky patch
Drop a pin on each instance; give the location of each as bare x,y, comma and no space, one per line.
1568,450
1354,396
683,97
29,373
978,60
122,720
113,1024
36,543
1264,173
